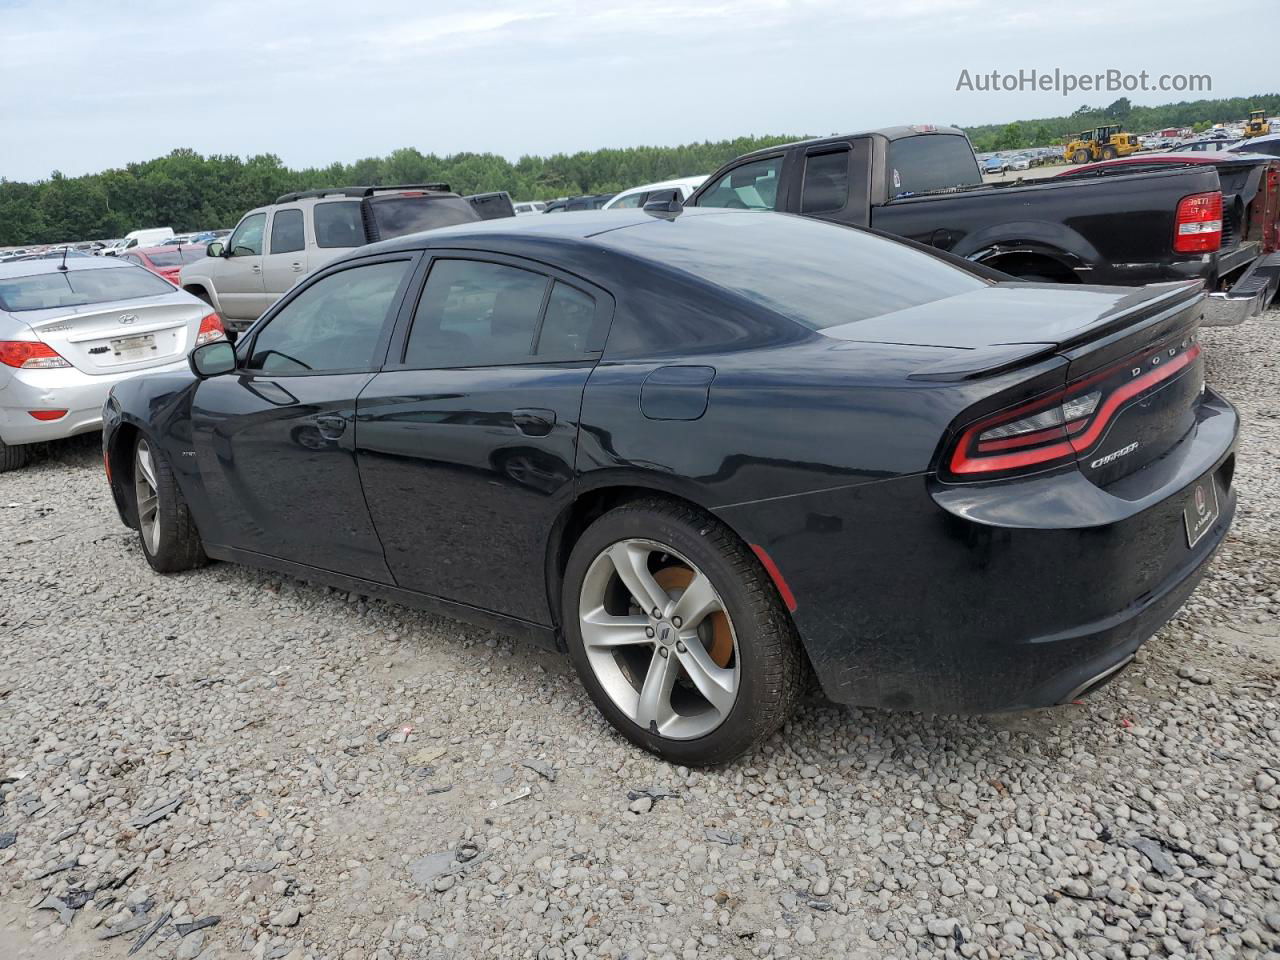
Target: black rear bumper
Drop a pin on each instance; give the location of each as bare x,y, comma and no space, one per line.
941,598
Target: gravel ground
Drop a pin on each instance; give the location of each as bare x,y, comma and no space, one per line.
340,779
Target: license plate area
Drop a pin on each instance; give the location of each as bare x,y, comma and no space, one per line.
1201,510
134,348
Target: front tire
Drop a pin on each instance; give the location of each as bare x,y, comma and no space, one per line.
13,457
678,634
1080,156
169,537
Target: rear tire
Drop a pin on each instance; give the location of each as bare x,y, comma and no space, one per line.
169,537
13,457
753,654
1109,153
1080,156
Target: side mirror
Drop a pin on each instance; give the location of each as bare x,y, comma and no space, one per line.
214,249
212,359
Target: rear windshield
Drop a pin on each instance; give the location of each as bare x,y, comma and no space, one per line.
399,216
931,162
76,288
817,274
176,258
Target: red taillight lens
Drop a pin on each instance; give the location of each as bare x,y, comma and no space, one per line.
211,329
1198,224
48,414
1057,427
29,355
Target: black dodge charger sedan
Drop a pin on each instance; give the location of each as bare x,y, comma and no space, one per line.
705,452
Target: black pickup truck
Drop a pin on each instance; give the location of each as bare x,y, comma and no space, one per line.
923,183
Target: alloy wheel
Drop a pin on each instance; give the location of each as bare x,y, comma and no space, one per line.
148,501
659,639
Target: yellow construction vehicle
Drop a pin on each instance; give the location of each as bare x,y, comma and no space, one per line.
1101,143
1257,125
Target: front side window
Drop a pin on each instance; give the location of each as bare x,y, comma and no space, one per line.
826,182
334,324
286,232
247,239
475,314
752,186
339,224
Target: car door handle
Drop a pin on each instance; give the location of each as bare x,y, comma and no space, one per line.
331,426
297,267
257,268
533,422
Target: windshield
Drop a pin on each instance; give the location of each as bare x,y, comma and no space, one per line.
176,258
931,162
76,288
398,216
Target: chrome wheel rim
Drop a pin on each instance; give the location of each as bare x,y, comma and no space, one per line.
148,501
667,656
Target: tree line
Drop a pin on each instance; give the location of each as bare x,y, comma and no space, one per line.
188,191
1199,115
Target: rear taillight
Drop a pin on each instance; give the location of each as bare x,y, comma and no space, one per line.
1062,425
48,414
211,329
1198,224
29,355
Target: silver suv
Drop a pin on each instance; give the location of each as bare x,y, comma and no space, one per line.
273,247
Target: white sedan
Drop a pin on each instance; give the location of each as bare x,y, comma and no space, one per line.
680,190
69,332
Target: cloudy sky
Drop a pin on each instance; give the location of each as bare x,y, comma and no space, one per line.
89,84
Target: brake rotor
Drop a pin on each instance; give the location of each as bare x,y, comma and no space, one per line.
721,646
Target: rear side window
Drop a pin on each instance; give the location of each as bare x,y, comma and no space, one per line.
475,314
334,324
76,288
286,232
339,224
931,162
752,186
566,328
826,182
399,216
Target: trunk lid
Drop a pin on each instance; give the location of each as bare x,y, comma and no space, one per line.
118,337
1135,348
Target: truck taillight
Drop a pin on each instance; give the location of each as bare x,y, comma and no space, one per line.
210,329
1198,224
29,355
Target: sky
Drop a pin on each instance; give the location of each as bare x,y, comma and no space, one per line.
85,86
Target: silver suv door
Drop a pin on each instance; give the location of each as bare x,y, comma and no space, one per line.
285,261
239,277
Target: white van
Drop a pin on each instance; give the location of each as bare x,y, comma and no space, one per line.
155,237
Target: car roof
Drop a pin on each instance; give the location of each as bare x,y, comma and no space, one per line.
31,268
889,133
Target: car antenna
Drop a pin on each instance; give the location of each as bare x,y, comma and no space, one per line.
63,265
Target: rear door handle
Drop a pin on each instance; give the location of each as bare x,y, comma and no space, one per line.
533,422
256,268
331,426
297,267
